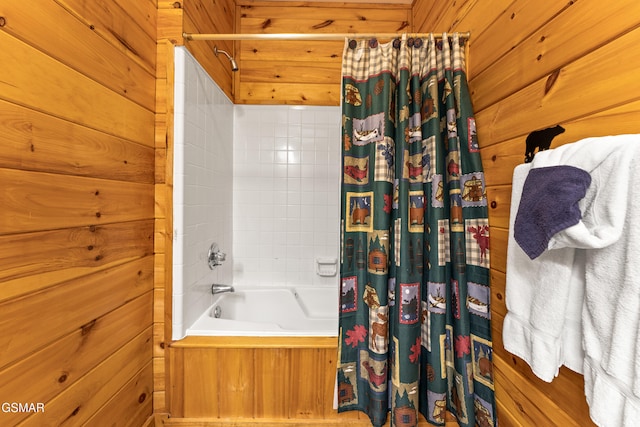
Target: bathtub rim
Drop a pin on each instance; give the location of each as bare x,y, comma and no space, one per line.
215,341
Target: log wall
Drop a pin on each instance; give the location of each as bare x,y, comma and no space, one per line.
533,65
77,105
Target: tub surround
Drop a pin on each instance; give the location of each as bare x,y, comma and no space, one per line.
260,181
203,147
286,187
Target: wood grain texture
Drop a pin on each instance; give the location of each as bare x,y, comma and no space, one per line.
77,119
163,214
340,421
326,53
87,396
67,360
41,143
306,73
35,201
272,384
68,306
170,25
137,395
51,87
545,49
564,101
224,381
78,251
128,28
82,48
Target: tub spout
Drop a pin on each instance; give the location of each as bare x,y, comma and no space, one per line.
218,289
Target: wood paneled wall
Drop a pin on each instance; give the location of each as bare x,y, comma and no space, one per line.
533,65
163,256
169,33
238,377
77,100
303,72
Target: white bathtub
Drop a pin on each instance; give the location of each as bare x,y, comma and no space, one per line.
302,311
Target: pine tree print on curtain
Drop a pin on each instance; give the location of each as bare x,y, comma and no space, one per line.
414,298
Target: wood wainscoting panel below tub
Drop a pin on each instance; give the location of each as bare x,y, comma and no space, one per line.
257,381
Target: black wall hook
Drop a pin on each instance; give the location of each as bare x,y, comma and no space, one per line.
540,139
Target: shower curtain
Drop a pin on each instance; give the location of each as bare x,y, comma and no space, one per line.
415,333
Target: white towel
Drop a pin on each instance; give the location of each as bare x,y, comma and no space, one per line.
538,302
572,334
608,160
607,406
612,309
610,235
545,296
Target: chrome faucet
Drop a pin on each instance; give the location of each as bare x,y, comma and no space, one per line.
215,257
219,289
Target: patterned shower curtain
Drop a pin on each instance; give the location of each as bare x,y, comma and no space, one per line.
415,333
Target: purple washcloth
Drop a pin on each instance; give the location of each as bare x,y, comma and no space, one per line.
549,204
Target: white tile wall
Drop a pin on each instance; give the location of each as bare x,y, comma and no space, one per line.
286,186
203,183
261,181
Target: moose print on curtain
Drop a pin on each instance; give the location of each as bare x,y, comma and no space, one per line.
414,298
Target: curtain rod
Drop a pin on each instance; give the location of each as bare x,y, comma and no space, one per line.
318,36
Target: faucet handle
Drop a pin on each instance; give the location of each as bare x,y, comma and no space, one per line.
215,256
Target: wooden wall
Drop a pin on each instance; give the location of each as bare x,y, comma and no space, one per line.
303,72
77,100
169,33
534,65
162,307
